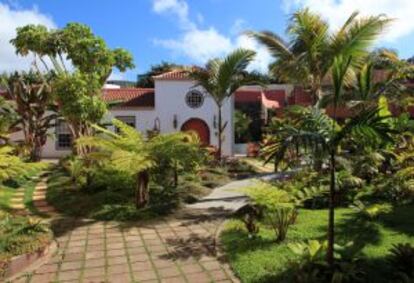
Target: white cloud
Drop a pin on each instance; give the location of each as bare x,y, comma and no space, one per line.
10,20
178,8
238,26
263,57
200,45
336,12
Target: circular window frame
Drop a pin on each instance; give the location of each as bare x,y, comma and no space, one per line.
189,102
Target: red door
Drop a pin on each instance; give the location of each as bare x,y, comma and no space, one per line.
200,128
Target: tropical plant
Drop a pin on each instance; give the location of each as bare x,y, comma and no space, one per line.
323,137
77,90
373,211
311,266
220,79
241,126
128,151
32,97
8,119
308,56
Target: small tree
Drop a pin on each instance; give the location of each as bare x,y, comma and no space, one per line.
221,78
77,90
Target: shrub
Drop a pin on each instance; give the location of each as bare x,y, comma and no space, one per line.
402,260
277,207
109,178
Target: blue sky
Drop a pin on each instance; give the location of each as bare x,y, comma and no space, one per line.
190,31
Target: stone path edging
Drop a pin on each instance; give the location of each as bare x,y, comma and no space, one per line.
25,263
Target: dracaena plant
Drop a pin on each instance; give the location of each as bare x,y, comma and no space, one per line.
32,97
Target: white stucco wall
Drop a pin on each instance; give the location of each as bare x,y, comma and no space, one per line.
144,118
170,101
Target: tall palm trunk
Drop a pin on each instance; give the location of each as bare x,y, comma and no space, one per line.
220,132
331,221
142,189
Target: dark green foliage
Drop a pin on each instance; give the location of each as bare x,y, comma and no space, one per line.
311,267
402,260
241,127
146,80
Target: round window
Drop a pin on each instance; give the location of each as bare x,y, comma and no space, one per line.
194,99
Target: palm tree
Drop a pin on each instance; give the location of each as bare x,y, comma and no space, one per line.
382,75
323,138
309,54
129,151
221,78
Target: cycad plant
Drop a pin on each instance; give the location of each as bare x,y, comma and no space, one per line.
220,79
129,151
324,139
308,56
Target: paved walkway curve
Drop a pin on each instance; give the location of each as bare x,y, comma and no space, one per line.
180,248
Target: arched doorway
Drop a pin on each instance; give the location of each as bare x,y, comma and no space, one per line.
199,127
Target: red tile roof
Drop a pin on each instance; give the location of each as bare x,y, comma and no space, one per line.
130,97
173,75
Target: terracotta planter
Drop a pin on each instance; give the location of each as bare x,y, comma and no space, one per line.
253,149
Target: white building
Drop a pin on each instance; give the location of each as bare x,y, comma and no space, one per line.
174,104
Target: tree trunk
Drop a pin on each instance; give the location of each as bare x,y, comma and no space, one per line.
175,175
220,133
142,189
331,223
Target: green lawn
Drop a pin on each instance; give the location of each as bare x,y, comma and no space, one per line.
6,194
262,260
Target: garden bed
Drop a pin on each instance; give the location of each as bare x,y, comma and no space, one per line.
110,195
24,241
261,259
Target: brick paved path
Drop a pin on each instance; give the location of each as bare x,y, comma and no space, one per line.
179,249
